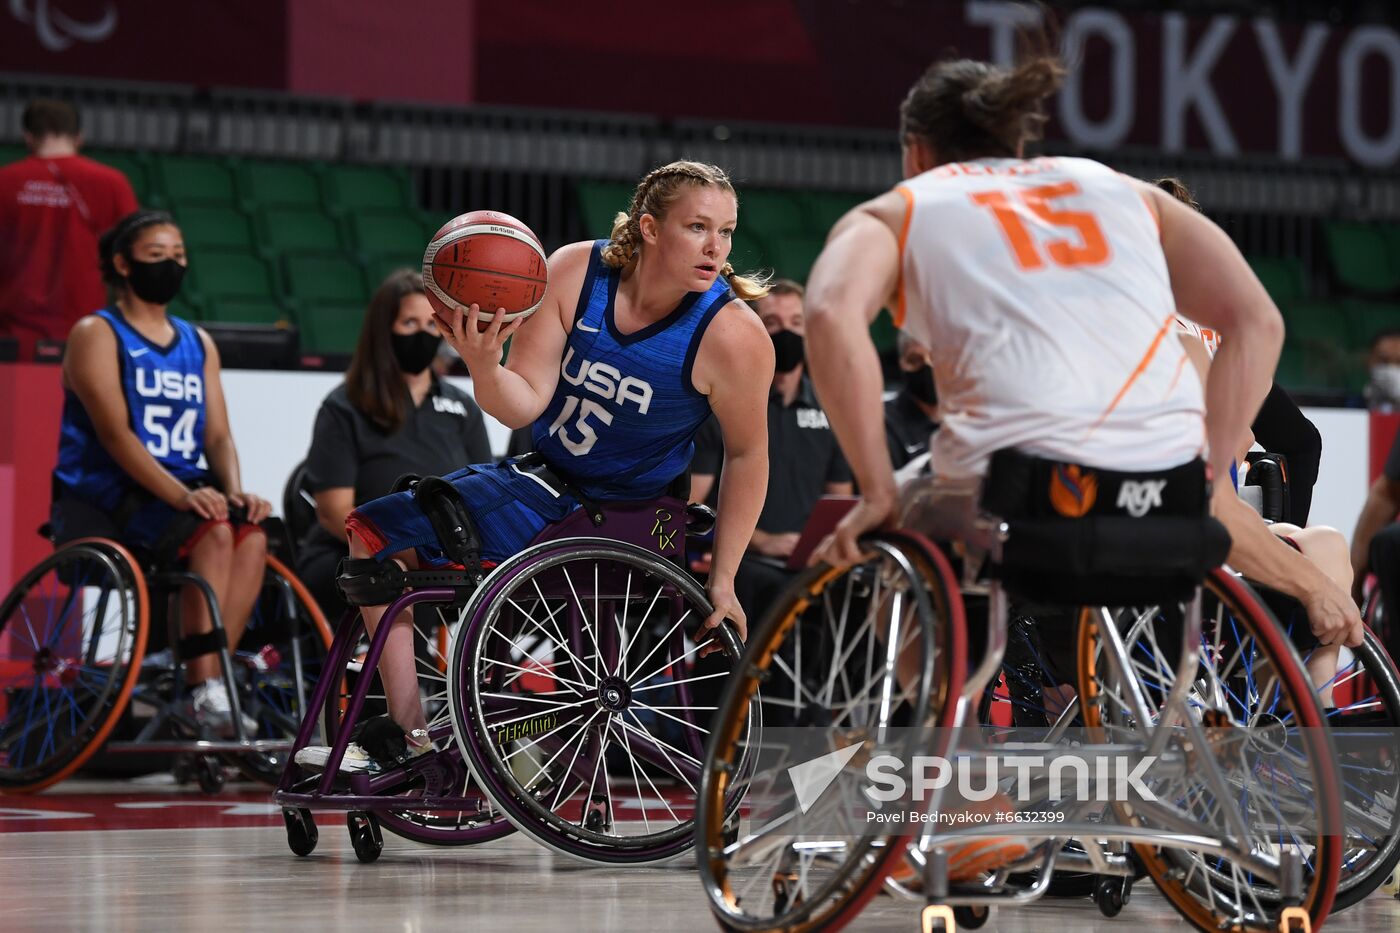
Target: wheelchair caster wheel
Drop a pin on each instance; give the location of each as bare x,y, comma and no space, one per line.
786,894
364,835
1110,894
1392,884
301,830
596,820
210,775
938,917
972,918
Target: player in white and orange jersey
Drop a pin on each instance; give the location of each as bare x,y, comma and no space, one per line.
1047,290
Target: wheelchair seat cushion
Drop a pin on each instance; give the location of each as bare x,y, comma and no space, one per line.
1084,536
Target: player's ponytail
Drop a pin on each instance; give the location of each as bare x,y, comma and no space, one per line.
969,110
654,195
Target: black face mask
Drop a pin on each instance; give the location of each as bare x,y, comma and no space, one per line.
415,352
787,350
919,383
156,282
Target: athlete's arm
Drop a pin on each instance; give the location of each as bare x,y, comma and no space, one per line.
218,438
734,368
92,369
518,393
852,280
332,507
1382,502
1213,283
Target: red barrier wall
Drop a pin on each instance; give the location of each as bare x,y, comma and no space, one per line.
31,405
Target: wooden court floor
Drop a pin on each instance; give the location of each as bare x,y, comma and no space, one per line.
136,857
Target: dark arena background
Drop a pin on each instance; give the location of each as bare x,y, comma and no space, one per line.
307,149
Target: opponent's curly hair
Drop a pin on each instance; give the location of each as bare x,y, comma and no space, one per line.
654,195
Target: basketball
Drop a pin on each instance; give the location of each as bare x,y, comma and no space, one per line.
488,259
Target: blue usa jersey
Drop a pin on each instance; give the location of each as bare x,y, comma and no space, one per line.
164,392
622,422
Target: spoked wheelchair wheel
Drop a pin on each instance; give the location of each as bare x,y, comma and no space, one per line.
574,696
1266,738
1359,691
277,666
859,657
72,635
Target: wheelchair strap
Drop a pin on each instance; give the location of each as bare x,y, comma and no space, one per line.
451,521
192,646
534,464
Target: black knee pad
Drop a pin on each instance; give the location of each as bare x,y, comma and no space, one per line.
368,582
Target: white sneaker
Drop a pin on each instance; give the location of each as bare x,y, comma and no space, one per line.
356,760
213,711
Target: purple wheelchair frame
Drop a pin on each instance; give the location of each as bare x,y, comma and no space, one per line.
655,525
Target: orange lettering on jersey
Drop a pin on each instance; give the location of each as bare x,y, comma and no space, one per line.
1065,252
1072,490
1027,257
1091,250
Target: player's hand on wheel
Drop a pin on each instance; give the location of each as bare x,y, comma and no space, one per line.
206,502
726,607
1333,616
257,507
841,548
481,345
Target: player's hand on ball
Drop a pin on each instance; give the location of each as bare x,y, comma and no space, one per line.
481,344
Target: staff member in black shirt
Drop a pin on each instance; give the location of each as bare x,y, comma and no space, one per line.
804,460
391,416
911,416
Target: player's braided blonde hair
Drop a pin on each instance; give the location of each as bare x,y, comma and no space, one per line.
654,195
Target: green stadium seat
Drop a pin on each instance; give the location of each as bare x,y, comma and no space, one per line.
315,279
294,229
884,333
1283,277
360,187
232,274
771,214
823,209
330,328
10,154
396,233
433,221
749,253
279,184
1292,370
1363,257
1324,332
1368,319
793,256
131,164
193,180
599,202
242,311
377,268
214,227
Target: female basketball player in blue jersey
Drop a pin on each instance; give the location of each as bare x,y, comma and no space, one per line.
145,453
640,337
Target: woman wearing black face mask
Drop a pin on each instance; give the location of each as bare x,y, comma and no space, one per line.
391,416
145,452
